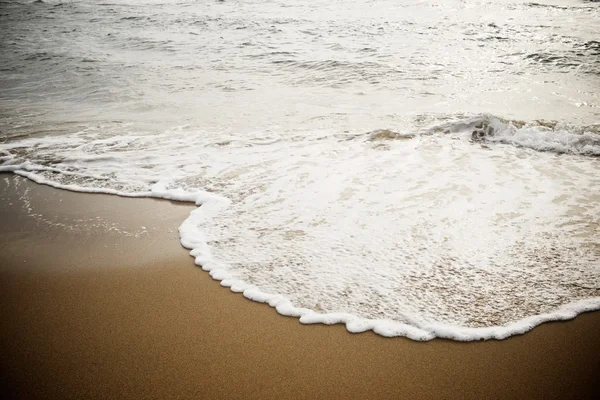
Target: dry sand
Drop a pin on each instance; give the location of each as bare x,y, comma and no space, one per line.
98,300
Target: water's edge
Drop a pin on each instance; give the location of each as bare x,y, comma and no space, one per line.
209,205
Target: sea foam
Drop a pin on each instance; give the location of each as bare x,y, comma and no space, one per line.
473,228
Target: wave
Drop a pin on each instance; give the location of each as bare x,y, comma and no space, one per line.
468,228
539,135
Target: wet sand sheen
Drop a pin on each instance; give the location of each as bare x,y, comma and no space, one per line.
98,300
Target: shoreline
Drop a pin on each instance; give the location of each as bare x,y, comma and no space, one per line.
99,299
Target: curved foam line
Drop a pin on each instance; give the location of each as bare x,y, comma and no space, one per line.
192,238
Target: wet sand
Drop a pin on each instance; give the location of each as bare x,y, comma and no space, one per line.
99,300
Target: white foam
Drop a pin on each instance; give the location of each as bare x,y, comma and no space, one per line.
433,236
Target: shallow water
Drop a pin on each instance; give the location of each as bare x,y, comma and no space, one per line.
417,168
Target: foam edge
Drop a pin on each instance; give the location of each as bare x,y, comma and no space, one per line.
193,239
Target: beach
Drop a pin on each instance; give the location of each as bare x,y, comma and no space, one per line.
99,300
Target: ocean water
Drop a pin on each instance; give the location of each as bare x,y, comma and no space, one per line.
417,168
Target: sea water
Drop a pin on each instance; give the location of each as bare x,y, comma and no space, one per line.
422,169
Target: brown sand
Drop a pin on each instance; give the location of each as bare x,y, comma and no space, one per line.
94,306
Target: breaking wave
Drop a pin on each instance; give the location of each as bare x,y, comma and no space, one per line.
538,135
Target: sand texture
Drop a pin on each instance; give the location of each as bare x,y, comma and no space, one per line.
99,300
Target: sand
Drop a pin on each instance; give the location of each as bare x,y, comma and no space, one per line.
99,300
